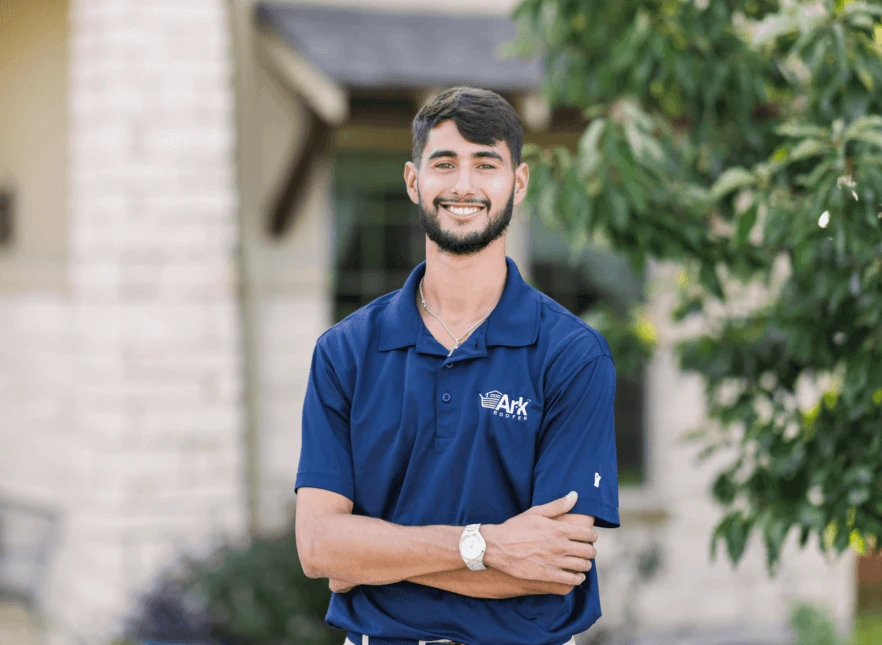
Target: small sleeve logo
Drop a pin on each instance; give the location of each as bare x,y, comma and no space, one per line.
596,480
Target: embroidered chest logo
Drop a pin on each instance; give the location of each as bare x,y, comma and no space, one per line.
504,406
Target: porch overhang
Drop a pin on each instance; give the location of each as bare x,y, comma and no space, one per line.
324,54
382,49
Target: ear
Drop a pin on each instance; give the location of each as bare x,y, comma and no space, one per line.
522,179
410,181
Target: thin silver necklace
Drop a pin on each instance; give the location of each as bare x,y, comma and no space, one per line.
446,328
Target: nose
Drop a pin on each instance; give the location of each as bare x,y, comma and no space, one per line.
463,186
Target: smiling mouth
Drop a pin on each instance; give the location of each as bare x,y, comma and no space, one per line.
462,210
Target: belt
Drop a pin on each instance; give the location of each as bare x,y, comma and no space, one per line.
364,639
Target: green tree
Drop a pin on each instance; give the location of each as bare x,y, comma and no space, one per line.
741,140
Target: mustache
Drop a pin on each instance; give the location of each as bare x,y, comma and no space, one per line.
438,202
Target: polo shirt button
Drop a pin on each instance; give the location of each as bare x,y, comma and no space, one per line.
449,365
446,397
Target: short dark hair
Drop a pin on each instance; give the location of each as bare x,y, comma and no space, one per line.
481,116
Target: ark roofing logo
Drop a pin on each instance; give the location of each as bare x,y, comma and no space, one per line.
503,406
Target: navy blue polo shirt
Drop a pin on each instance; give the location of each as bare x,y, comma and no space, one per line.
519,415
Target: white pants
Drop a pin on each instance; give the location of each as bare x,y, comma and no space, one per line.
366,641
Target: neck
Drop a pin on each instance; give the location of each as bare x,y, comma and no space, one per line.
463,289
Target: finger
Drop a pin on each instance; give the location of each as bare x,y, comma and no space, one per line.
579,533
579,550
556,507
571,578
576,564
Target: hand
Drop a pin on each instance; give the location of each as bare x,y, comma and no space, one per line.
536,546
340,586
585,522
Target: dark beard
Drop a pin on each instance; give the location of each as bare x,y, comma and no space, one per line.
471,243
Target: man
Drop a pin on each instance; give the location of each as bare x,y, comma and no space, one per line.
445,423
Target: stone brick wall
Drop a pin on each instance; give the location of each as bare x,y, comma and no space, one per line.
155,440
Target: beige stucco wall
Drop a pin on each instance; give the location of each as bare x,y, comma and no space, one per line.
33,141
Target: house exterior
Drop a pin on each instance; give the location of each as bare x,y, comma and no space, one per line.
193,193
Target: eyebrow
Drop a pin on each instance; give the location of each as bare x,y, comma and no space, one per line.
484,154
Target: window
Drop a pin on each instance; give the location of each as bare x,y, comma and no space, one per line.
378,239
597,276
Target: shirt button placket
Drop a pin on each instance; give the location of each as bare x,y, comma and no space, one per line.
446,412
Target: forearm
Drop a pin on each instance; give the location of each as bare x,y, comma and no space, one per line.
490,583
366,550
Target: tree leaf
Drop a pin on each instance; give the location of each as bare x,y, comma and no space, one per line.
724,489
732,179
863,74
808,148
589,149
874,138
746,221
773,27
736,537
774,533
861,124
863,7
799,130
709,278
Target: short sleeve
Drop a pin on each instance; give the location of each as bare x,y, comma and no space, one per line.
577,443
325,450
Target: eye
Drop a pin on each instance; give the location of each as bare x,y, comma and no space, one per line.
487,165
444,163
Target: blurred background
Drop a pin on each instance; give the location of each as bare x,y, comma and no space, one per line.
190,194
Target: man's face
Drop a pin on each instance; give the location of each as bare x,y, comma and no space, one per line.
465,192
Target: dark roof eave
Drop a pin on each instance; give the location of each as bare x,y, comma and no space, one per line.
375,49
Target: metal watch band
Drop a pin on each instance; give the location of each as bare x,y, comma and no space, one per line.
474,564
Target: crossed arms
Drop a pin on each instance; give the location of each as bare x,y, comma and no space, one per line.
544,550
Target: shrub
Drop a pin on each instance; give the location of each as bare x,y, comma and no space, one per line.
257,595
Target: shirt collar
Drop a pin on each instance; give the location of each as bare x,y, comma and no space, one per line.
514,322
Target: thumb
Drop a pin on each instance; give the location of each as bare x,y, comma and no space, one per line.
558,506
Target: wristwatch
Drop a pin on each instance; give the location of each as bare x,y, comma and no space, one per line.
472,547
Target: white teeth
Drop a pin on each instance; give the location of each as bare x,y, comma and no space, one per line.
463,211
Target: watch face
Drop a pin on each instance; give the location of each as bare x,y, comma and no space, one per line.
471,547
